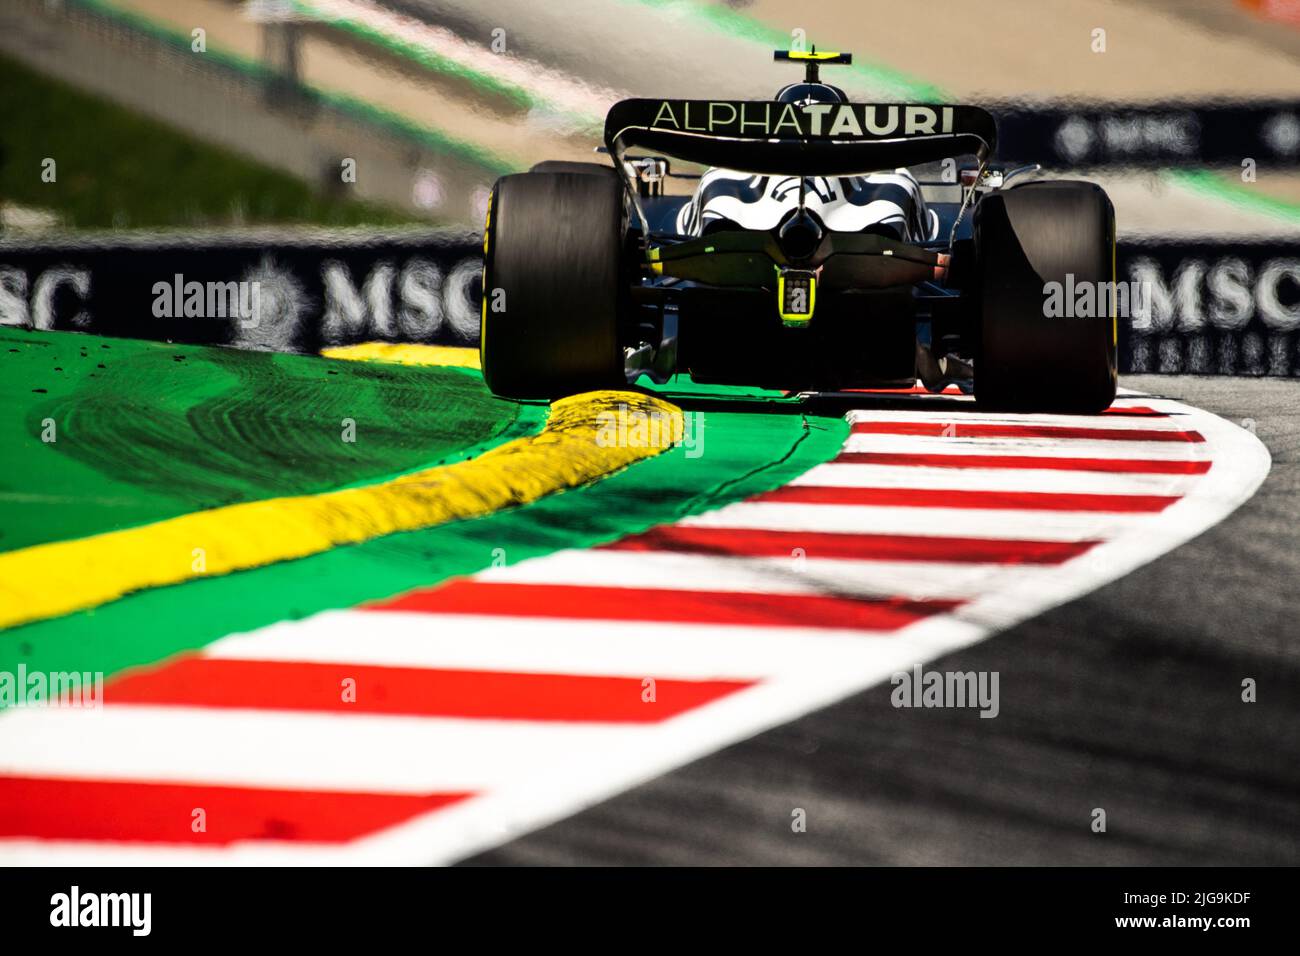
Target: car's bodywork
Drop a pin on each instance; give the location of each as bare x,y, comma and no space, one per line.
795,199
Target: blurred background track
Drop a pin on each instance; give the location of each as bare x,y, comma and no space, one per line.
435,98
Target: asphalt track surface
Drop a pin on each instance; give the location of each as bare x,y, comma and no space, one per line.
1127,699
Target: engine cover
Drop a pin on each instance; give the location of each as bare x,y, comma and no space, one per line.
888,203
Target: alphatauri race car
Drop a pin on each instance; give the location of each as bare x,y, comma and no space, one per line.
812,255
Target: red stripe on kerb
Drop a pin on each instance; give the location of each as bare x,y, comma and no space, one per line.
1115,465
959,429
663,605
913,390
144,812
946,498
1137,410
414,692
745,542
1129,410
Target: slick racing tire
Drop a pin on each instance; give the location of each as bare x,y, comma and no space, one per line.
565,166
553,285
1032,357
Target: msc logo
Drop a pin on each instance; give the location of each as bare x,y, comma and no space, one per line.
1225,293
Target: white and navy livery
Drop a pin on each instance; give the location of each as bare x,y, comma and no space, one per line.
889,204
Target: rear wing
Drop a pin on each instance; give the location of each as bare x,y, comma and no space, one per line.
814,139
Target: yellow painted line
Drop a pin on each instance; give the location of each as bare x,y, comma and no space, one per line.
574,448
399,354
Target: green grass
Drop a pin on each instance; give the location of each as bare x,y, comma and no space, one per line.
117,169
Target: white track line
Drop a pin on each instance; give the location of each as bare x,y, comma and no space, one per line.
959,444
290,750
996,479
536,645
1171,421
588,100
806,574
925,522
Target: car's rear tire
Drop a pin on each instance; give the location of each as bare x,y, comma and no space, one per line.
567,166
1025,238
553,285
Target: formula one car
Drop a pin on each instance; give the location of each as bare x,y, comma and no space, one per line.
809,257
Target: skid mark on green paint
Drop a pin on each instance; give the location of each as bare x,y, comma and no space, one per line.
146,431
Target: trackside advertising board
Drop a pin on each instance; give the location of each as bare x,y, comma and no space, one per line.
1211,307
279,292
1084,135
